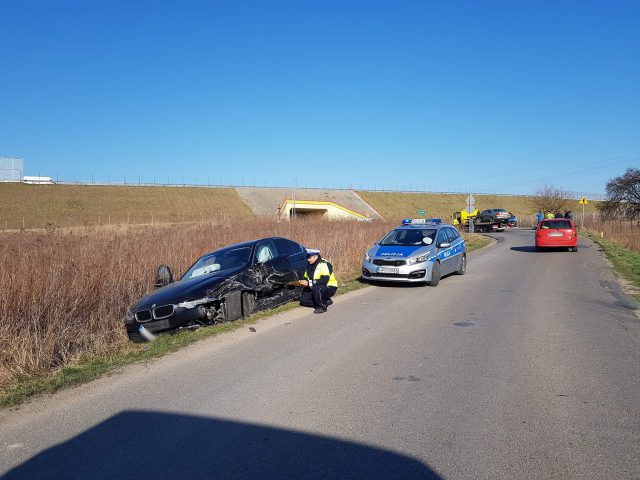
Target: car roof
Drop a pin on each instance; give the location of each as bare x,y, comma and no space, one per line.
250,243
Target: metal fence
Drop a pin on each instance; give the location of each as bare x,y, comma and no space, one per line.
296,184
11,169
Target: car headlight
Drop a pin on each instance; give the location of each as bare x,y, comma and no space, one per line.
367,258
420,259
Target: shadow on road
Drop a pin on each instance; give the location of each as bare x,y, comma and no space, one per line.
392,284
532,249
151,445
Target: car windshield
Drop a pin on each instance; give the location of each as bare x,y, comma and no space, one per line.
555,224
409,237
219,261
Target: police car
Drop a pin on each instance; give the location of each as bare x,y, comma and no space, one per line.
420,250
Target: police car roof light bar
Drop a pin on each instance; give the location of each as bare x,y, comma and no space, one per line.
414,221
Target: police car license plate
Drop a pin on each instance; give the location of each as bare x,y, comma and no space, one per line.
388,270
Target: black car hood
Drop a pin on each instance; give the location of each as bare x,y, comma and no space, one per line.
182,290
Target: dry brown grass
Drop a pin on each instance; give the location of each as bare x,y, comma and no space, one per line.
622,232
63,293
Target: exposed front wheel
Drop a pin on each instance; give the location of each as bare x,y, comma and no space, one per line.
462,268
248,303
232,306
436,273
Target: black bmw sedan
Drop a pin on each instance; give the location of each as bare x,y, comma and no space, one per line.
221,286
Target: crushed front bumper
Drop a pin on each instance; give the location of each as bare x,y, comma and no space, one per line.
180,317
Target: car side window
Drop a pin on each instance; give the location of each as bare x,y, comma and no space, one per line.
284,246
442,236
265,252
453,234
295,247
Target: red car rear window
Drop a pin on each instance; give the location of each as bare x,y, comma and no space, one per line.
558,224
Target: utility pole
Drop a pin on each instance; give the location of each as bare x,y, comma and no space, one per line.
293,197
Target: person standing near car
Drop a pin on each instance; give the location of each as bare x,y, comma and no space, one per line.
320,283
540,216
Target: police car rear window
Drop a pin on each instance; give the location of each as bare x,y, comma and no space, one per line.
409,237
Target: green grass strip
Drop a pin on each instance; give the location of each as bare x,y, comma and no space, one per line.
94,368
477,242
625,262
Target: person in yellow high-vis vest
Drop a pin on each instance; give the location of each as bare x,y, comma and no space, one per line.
319,283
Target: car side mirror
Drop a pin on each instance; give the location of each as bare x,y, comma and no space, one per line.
444,245
163,276
376,243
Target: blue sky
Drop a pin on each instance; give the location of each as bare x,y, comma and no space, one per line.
457,95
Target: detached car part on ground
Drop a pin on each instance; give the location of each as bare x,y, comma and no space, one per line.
221,286
421,250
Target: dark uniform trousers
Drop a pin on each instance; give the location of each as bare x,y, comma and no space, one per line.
317,296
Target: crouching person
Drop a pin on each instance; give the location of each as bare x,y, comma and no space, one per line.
320,283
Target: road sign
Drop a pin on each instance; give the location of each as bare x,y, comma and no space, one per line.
471,203
583,202
422,212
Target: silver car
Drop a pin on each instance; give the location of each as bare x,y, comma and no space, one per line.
421,250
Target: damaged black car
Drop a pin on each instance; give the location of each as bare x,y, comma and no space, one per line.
221,286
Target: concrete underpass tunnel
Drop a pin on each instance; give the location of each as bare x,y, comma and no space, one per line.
307,213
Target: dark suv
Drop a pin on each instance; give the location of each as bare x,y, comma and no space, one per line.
494,215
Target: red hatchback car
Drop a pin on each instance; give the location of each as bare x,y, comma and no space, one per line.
557,232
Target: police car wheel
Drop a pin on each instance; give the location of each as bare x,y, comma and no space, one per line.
462,269
436,273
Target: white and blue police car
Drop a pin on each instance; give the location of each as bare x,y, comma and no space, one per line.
420,250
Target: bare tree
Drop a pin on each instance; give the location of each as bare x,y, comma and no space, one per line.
624,195
550,199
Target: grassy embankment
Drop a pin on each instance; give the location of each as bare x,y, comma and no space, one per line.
59,206
395,205
63,293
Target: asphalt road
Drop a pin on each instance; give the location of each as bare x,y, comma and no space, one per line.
526,367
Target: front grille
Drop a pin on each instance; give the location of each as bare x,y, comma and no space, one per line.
389,263
391,275
143,315
163,311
